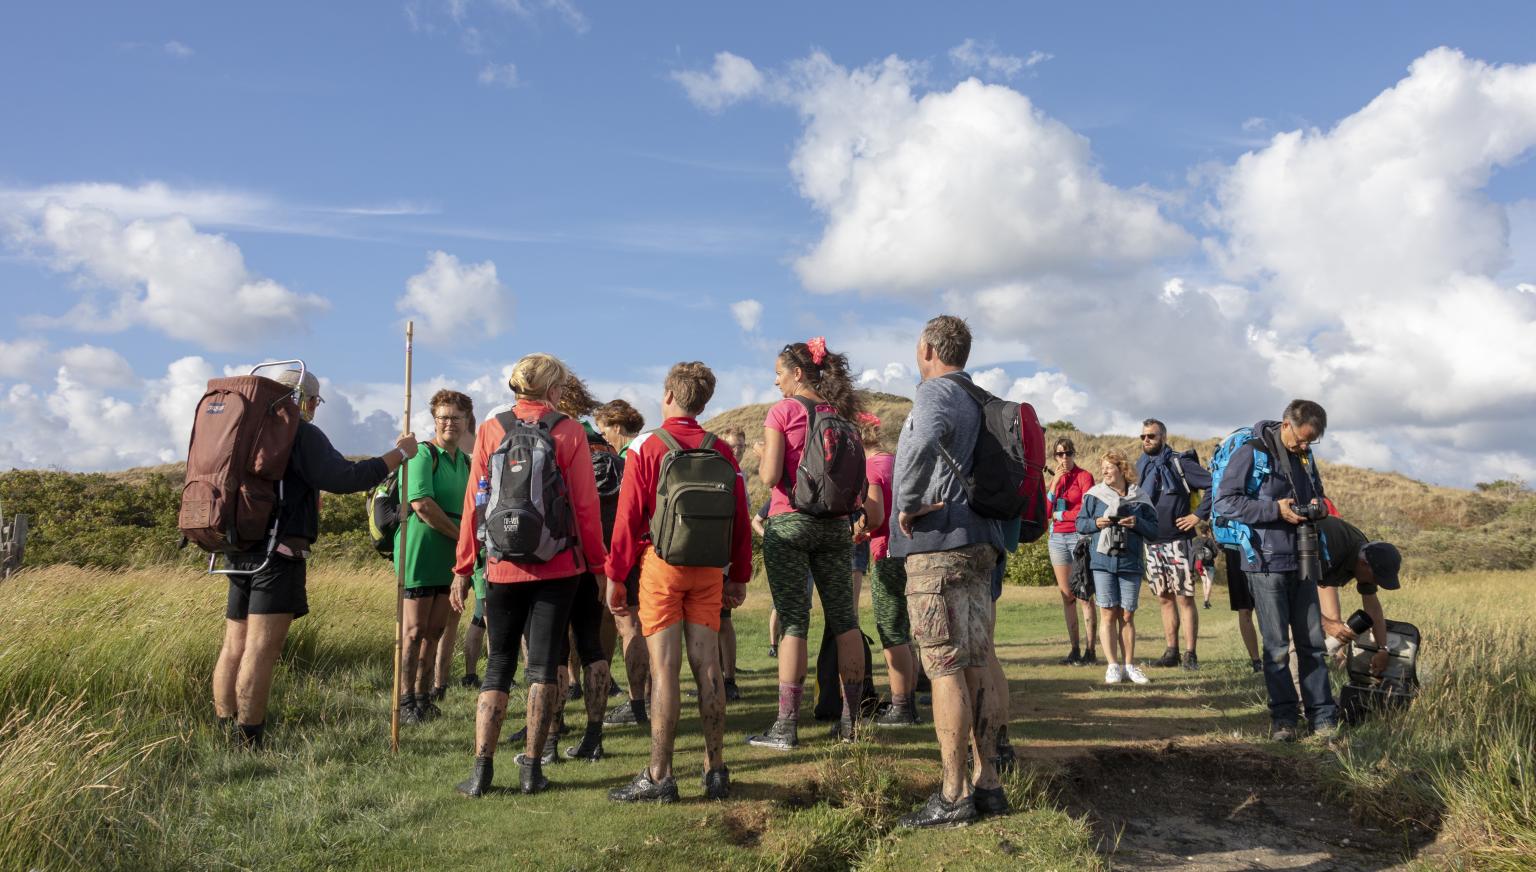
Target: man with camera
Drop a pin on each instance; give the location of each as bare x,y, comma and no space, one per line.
1352,556
1271,489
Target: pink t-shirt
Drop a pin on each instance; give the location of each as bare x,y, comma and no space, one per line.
880,470
788,417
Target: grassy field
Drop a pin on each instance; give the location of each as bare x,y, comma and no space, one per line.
109,759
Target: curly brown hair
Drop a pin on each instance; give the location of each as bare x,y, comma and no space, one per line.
458,401
575,400
620,414
831,378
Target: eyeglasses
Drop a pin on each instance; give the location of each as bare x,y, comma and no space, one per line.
1146,436
448,419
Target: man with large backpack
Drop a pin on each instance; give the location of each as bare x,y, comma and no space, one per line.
1269,498
1168,477
951,549
683,517
262,606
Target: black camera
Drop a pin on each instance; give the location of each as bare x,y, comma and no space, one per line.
1360,621
1311,511
1115,539
1309,557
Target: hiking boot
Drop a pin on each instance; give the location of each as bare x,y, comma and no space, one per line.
890,715
518,737
620,715
591,747
531,775
784,735
732,692
717,783
1258,666
1191,662
1004,762
479,781
551,754
613,690
1170,658
469,680
249,737
429,710
1114,673
644,789
439,693
990,801
843,730
1073,659
573,691
1134,673
1282,732
410,712
938,813
1090,657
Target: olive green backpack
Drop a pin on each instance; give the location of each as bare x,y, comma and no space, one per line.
695,504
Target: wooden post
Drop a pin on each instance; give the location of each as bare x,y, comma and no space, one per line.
405,519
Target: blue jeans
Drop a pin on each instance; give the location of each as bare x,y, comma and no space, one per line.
1286,608
1117,590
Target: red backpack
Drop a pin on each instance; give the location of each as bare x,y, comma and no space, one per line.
241,439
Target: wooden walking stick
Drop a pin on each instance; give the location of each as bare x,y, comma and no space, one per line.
405,519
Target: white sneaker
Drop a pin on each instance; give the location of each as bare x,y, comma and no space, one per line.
1134,673
1114,674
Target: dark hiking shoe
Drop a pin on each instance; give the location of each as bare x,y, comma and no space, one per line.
990,801
1170,658
1073,659
620,715
429,710
518,737
470,680
479,781
732,692
938,813
591,747
613,690
1090,657
1191,662
843,731
250,737
551,754
891,716
531,775
573,691
1258,666
717,783
1005,760
410,712
440,693
643,789
784,735
1282,732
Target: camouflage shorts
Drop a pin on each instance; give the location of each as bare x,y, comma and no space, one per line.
949,601
1171,567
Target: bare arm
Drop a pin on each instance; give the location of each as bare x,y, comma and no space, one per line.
772,467
874,508
429,511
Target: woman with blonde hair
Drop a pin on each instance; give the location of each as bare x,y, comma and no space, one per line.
1119,517
542,530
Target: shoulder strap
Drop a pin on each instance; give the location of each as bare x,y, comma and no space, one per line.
667,439
508,422
436,454
810,411
709,441
549,419
974,391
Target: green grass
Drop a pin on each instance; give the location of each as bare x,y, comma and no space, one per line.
108,758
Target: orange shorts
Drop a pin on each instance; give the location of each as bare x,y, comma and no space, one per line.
669,594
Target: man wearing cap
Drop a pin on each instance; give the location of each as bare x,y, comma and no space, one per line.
263,605
1352,556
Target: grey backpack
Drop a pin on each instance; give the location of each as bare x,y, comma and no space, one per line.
528,517
695,504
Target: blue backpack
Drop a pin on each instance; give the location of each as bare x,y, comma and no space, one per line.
1230,532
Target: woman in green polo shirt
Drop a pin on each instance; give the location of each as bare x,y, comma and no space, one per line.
435,489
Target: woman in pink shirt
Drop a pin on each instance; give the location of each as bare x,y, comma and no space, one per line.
888,584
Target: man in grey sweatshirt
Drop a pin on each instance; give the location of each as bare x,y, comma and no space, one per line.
950,553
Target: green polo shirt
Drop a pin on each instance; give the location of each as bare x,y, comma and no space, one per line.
428,554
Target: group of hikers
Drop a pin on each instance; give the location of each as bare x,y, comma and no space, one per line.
573,535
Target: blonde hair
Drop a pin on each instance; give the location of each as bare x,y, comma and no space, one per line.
1114,456
534,375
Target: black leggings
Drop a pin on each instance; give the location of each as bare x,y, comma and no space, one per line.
586,623
535,610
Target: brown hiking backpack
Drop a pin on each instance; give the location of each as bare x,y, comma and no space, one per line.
241,439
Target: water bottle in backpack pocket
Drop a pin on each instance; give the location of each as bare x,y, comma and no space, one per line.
529,517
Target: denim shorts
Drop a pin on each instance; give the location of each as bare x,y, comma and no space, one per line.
1116,590
861,557
1060,545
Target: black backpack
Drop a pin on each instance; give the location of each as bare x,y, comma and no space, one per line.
695,504
829,682
528,518
382,506
829,482
1080,581
1364,694
1007,478
608,472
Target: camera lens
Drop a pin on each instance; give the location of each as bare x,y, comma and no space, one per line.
1359,621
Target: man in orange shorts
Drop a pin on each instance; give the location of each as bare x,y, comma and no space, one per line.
683,517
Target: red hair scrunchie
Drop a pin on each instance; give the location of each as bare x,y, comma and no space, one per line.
818,348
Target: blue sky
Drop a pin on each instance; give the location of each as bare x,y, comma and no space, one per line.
335,147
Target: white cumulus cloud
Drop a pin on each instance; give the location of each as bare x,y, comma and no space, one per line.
748,314
453,302
733,79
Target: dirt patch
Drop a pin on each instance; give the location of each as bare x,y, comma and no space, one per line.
1221,807
744,825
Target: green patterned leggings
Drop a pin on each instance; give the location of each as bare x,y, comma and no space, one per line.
794,544
888,588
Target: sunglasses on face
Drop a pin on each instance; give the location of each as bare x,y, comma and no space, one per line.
1149,437
1066,454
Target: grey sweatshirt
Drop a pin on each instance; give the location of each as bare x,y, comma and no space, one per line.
942,415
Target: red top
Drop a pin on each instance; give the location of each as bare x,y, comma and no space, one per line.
880,470
637,502
574,459
1071,486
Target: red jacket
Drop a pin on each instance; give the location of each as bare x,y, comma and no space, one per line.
575,461
637,502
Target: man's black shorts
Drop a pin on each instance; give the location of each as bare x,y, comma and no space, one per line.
632,590
1238,593
276,590
427,592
